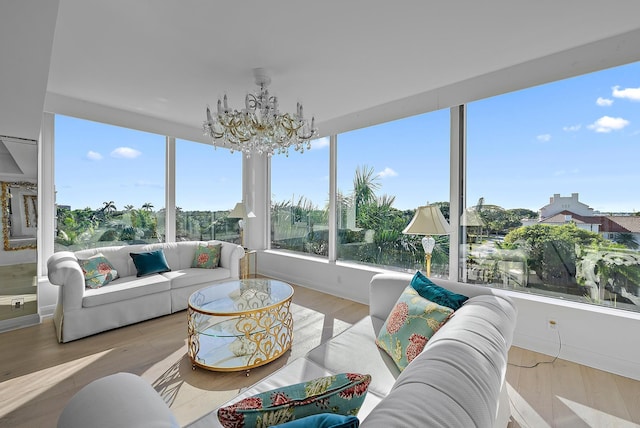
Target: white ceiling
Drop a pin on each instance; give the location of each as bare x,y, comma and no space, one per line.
167,59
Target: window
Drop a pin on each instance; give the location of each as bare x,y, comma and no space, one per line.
299,200
552,190
384,173
208,185
109,185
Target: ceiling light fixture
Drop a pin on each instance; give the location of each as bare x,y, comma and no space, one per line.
259,127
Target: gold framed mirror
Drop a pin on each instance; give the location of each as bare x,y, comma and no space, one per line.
19,202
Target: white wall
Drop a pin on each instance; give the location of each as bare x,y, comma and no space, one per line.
597,337
8,258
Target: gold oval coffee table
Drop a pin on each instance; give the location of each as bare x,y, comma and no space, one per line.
239,325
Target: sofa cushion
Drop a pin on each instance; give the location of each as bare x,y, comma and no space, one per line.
322,420
125,288
207,256
118,256
341,393
410,325
337,355
435,293
193,276
97,271
150,262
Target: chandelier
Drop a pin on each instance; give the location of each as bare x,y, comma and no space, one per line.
259,127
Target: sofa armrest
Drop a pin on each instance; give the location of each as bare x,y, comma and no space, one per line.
64,270
384,290
230,256
118,400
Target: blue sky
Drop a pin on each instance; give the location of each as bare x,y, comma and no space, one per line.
580,135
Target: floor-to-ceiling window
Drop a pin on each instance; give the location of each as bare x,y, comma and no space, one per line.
300,198
385,172
552,199
110,184
208,187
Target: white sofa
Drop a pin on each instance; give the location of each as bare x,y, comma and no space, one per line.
457,381
129,299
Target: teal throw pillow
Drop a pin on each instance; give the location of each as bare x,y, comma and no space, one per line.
427,289
410,325
97,271
323,420
343,394
150,262
207,256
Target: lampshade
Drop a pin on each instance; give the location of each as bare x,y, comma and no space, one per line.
428,220
471,218
238,211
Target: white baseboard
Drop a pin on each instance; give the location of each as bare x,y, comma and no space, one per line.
19,322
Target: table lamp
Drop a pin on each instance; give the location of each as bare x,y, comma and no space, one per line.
239,212
428,221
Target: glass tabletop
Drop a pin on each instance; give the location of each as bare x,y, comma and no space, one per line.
233,297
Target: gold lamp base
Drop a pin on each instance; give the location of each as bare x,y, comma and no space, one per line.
427,264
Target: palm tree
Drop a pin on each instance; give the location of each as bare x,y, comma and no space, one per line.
626,239
128,207
108,207
365,185
147,206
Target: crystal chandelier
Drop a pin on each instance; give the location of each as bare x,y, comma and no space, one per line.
259,127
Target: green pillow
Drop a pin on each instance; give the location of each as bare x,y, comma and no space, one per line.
207,256
97,271
150,262
427,289
323,420
342,394
410,325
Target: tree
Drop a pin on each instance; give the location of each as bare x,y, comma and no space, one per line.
147,206
551,250
109,207
626,239
365,185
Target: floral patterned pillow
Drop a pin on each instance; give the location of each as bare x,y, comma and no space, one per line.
342,393
97,271
410,325
207,256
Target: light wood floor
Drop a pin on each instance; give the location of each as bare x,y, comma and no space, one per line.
38,375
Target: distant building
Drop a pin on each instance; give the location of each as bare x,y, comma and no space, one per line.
561,210
558,204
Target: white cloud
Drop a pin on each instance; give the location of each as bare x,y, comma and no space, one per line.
125,153
604,102
320,143
632,94
387,172
91,155
607,124
572,128
144,183
544,137
565,172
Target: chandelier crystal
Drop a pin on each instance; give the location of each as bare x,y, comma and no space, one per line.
259,127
